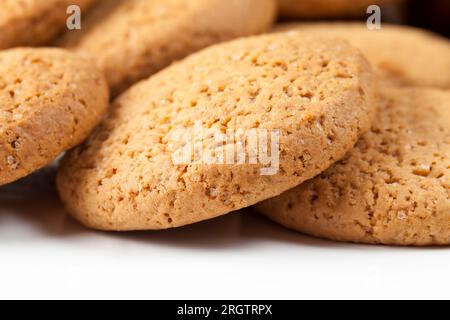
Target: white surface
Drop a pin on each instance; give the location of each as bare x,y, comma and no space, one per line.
45,254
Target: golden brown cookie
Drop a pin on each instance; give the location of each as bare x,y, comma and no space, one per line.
132,39
402,55
50,100
313,9
393,188
34,22
316,94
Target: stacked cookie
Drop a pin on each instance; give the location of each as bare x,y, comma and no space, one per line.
131,39
317,93
51,99
393,187
329,129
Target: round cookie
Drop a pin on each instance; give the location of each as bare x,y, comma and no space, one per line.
50,100
133,39
34,22
402,55
393,188
313,9
316,93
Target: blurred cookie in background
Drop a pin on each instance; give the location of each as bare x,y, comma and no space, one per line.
323,9
34,22
401,55
132,39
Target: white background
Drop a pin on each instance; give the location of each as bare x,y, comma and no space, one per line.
45,254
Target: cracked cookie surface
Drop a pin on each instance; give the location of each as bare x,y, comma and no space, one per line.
133,39
393,188
317,92
50,100
34,22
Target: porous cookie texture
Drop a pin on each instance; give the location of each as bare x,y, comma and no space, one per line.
132,39
402,56
50,100
393,188
34,22
313,9
315,92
